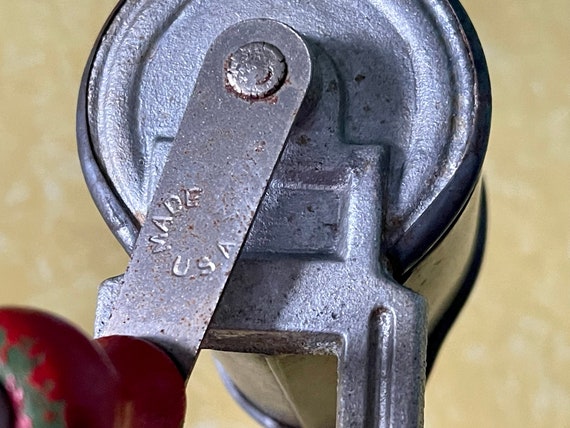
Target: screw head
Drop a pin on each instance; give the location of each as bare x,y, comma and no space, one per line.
256,70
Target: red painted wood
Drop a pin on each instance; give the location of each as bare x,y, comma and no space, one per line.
152,386
54,375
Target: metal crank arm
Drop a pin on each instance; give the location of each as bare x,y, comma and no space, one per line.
249,90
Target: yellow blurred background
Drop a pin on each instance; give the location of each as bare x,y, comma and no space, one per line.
506,362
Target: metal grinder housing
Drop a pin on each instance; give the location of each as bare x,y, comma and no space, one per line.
382,164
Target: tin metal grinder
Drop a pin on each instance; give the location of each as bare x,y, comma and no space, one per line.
298,185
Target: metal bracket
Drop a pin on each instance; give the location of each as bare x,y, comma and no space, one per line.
376,327
349,308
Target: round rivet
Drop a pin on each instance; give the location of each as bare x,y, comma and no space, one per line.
256,70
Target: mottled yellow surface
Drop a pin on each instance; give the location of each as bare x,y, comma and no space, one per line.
507,360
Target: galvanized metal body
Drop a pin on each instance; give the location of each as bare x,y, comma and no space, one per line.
377,180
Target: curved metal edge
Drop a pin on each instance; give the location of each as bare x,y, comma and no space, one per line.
439,333
250,408
442,213
435,339
108,203
425,234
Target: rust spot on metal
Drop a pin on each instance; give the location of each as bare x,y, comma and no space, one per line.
272,99
332,87
303,140
359,78
260,146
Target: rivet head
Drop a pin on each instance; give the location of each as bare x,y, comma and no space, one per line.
255,71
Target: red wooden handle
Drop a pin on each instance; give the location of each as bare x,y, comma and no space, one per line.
151,385
54,376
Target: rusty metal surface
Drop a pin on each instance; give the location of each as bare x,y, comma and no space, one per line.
384,156
412,77
221,162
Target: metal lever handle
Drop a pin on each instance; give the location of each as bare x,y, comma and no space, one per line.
247,95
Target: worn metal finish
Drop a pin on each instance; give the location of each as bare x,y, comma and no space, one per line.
377,180
408,81
221,161
256,70
348,308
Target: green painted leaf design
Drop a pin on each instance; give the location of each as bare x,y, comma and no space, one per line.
34,408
